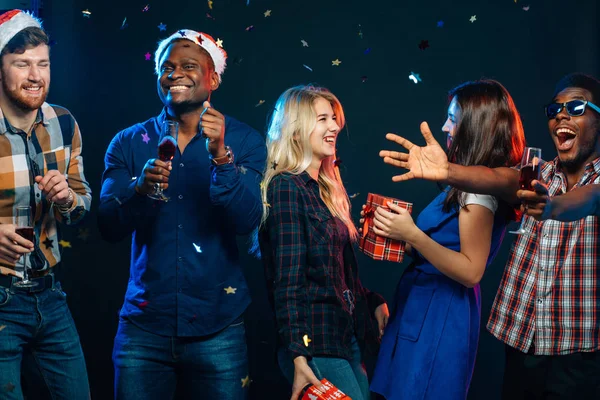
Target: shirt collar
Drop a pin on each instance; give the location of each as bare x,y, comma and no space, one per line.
594,165
6,127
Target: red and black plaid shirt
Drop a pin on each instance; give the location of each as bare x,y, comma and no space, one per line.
311,273
549,295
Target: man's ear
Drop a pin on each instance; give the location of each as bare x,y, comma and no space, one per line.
214,81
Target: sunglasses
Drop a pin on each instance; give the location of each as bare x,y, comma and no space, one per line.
574,108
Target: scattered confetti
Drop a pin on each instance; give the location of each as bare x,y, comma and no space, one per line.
243,169
306,340
219,43
2,327
360,32
354,195
274,165
266,204
83,234
440,24
210,16
119,202
210,3
367,50
304,43
124,24
473,18
260,103
86,13
147,56
64,243
414,77
336,62
197,248
230,290
143,304
146,8
162,27
145,137
307,67
364,78
48,243
424,44
246,381
526,8
267,13
337,162
237,60
249,28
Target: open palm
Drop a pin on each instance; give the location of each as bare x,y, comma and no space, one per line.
429,162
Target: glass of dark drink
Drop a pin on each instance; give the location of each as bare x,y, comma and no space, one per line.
530,170
24,228
167,147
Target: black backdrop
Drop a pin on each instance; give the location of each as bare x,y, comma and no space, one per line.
100,73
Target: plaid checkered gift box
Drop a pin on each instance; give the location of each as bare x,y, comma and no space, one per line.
377,247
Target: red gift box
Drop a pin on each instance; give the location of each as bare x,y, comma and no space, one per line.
330,393
377,247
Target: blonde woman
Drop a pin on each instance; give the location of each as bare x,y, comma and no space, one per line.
326,319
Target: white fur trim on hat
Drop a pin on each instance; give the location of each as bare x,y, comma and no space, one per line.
13,22
218,55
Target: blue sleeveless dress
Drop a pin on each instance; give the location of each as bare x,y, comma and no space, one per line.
430,343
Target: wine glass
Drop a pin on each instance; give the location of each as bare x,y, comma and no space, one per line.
167,146
24,228
530,170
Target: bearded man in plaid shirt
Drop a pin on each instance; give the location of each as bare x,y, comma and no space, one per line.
547,309
41,169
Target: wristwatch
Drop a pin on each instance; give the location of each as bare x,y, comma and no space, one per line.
226,159
70,200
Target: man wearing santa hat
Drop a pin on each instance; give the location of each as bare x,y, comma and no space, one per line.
181,326
41,176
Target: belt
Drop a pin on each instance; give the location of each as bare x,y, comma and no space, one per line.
43,283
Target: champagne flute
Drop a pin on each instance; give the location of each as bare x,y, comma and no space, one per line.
25,229
530,170
167,146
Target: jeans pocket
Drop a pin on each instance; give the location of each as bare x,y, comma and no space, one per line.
4,296
58,289
414,312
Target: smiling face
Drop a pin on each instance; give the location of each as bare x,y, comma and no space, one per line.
187,76
26,77
452,121
324,135
575,138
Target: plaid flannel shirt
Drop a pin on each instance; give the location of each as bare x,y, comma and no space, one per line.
549,295
53,143
312,274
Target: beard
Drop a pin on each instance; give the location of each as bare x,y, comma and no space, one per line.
586,151
23,102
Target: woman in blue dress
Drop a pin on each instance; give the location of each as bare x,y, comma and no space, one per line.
429,345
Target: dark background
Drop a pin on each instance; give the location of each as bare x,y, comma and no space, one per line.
100,74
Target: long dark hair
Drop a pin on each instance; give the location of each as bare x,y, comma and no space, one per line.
489,132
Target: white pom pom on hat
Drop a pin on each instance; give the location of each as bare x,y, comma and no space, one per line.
218,55
13,22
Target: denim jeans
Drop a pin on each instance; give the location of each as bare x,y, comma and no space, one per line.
349,376
149,366
40,322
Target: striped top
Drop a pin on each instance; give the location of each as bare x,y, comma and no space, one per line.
53,143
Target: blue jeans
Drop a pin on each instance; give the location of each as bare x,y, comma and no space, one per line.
349,376
149,366
40,321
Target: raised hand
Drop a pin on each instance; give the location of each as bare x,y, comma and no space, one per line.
429,162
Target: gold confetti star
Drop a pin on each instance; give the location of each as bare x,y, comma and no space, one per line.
230,290
336,62
260,103
219,43
246,381
473,18
2,327
306,340
64,243
210,3
267,13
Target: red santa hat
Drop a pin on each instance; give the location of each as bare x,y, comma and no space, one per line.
13,22
218,55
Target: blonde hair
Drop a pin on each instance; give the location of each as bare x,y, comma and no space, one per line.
289,149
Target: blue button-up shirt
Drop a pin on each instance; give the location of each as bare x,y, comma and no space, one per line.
185,275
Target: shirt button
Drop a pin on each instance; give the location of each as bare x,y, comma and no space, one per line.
181,165
180,197
180,226
540,301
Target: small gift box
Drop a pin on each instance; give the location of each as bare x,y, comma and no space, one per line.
377,247
330,393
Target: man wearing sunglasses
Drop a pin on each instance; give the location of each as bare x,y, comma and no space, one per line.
546,310
41,169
